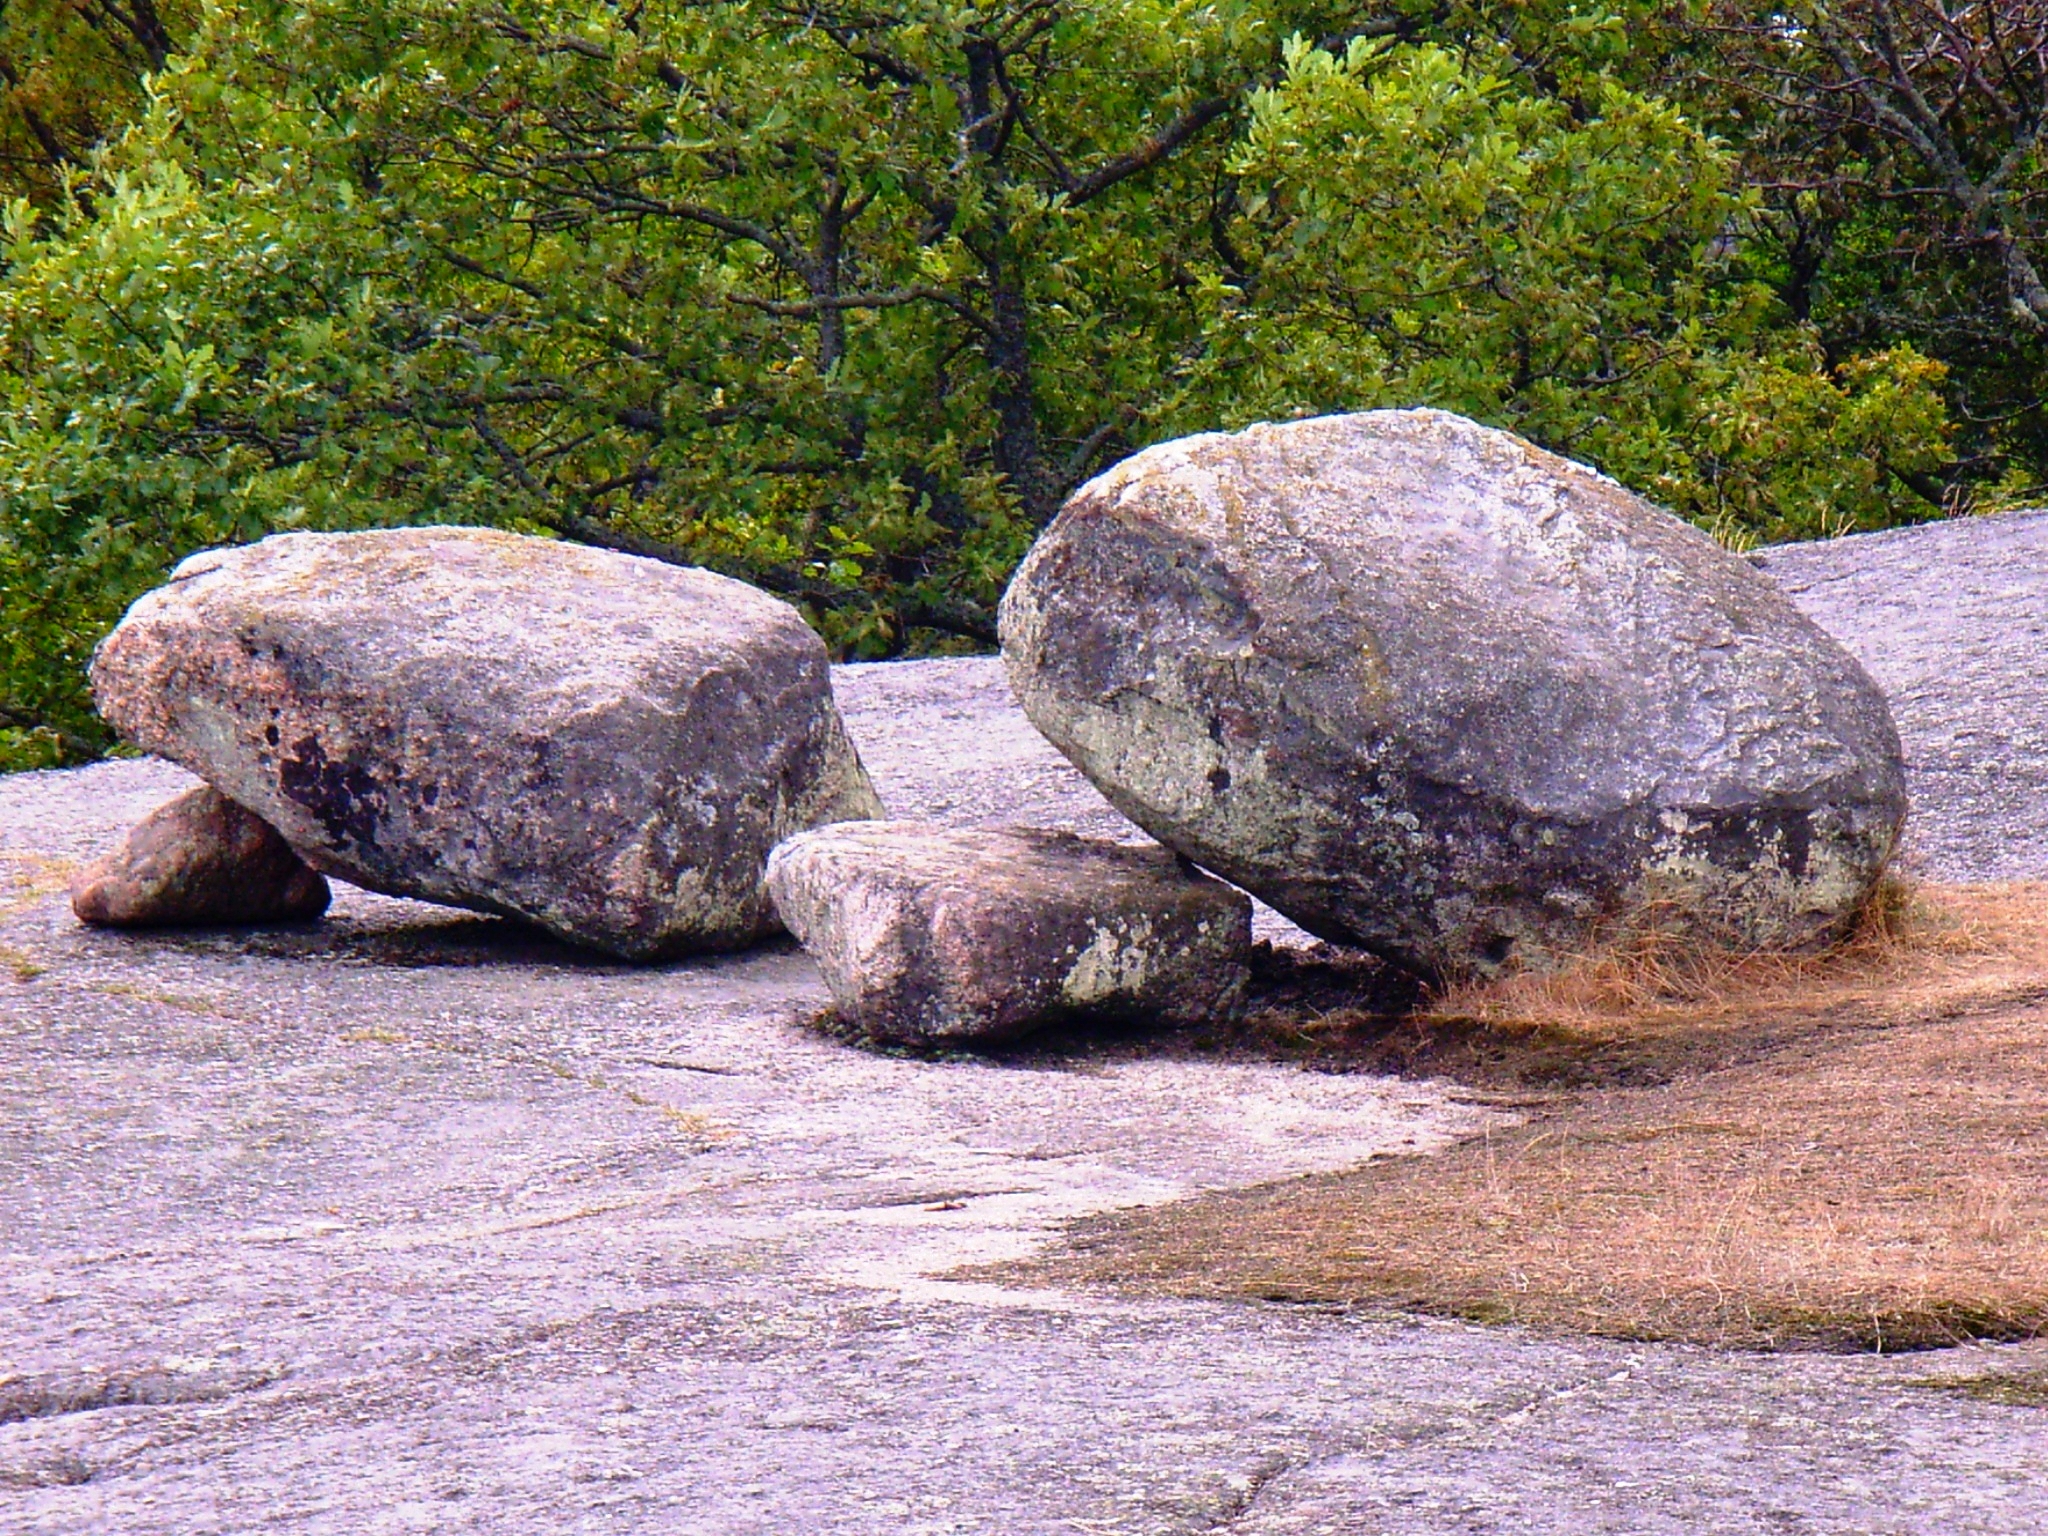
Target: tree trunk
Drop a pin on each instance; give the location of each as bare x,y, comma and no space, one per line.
1013,393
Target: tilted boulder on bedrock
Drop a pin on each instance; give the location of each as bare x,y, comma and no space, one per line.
987,933
1432,691
199,858
604,745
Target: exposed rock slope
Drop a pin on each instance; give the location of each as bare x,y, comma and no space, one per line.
412,1221
1952,621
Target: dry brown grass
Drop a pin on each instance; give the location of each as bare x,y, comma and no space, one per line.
1646,1005
2010,1389
28,878
1648,966
1841,1151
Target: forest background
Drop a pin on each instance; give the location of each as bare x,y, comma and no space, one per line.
844,298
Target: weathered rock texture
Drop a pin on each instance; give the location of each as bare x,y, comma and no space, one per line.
603,745
1952,622
1430,690
404,1221
929,933
200,858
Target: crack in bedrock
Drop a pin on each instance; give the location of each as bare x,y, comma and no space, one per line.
1244,1496
28,1397
1251,1495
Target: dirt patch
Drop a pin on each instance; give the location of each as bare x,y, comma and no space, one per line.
2009,1389
1849,1152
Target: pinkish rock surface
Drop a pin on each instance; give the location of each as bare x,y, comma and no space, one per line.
410,1221
603,745
199,859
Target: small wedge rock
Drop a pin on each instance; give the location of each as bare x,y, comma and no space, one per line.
928,933
199,859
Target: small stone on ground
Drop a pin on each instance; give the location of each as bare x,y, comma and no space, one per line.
199,859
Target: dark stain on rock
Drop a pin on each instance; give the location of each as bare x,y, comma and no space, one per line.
1765,837
1187,594
26,1398
1798,843
345,797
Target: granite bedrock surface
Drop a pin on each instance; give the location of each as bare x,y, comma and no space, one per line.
412,1221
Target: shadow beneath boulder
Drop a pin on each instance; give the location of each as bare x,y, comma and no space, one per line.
1315,1006
1622,1020
371,930
458,939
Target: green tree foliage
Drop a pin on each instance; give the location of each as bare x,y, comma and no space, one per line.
71,71
179,370
1422,227
846,299
1894,150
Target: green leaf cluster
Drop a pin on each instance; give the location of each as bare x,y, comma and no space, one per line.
1427,230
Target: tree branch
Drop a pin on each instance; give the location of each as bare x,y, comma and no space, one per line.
912,613
891,298
69,743
1149,153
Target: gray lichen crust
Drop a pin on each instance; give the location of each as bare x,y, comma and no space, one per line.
1430,690
934,933
603,745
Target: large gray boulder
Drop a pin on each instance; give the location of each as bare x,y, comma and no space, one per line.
603,745
929,933
1432,691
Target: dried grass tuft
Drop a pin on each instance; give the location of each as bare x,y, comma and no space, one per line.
1653,959
2007,1388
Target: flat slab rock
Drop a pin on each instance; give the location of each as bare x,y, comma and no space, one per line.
199,858
930,933
603,745
1434,692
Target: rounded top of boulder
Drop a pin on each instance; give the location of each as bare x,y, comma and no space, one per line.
1581,622
475,591
1364,450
